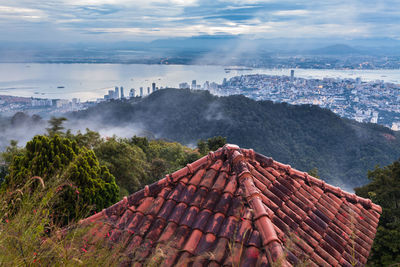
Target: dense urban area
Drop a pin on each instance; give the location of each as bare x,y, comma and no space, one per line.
373,101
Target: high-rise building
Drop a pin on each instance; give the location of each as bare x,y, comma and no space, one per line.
141,91
291,76
184,86
153,87
194,86
110,94
122,92
132,93
116,93
148,90
206,85
213,86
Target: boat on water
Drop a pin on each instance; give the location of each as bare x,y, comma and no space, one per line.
60,87
238,69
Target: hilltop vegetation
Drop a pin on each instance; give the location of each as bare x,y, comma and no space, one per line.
384,189
85,183
305,137
79,174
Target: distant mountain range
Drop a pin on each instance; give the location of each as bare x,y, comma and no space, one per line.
195,50
337,49
304,136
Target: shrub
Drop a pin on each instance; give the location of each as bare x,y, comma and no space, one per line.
85,182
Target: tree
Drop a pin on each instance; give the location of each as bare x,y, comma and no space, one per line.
216,142
314,172
141,142
56,125
384,189
6,158
202,147
212,144
158,168
90,139
11,151
84,182
127,163
19,118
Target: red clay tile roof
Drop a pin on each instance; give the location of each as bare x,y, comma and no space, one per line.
237,206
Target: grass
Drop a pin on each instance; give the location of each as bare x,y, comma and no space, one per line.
29,236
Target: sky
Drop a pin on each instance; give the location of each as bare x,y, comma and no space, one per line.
146,20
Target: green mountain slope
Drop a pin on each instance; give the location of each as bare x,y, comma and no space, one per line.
302,136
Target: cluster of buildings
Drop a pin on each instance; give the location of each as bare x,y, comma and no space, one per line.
206,86
374,102
118,93
30,105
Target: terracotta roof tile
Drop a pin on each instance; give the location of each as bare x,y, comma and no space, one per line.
202,220
178,212
190,216
235,206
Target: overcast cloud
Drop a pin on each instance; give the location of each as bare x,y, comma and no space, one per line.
138,20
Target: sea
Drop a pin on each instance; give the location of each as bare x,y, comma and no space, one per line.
92,81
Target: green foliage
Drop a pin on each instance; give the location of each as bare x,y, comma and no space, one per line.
314,172
141,142
126,162
6,158
212,144
31,238
56,126
202,147
90,139
384,189
86,183
216,142
136,162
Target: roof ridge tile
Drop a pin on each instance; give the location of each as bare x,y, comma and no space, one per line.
270,241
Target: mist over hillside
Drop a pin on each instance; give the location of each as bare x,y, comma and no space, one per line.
302,136
21,128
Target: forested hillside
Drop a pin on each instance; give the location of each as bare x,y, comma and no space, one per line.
305,137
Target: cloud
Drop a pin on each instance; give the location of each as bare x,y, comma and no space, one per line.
295,12
21,13
151,19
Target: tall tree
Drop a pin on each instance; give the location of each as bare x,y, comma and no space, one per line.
384,189
56,125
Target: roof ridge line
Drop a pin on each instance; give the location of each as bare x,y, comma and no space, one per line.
270,241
